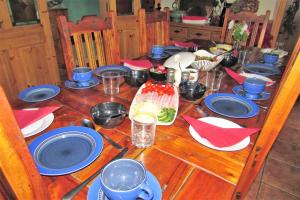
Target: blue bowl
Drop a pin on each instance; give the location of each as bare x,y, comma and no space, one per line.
271,58
82,75
254,86
157,50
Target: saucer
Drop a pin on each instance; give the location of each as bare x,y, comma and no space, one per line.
239,91
162,56
95,191
73,85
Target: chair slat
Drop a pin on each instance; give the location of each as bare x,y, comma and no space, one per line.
253,34
89,44
79,48
99,48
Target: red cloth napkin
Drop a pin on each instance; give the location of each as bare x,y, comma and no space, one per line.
146,64
27,117
194,18
239,78
220,137
185,44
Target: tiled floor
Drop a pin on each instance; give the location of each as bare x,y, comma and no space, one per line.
280,176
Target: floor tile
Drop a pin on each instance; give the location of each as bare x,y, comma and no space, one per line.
268,192
281,175
254,189
290,134
286,152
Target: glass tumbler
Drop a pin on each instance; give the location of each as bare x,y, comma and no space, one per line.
143,127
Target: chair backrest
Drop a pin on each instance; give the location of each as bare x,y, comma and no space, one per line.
154,29
257,25
91,42
19,177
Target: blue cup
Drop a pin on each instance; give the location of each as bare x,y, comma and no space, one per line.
157,51
125,179
270,58
82,75
253,87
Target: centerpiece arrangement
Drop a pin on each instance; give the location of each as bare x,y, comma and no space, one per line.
239,33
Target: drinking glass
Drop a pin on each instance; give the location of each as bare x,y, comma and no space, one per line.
243,58
213,80
111,82
143,127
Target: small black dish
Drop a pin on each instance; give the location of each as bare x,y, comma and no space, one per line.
157,76
108,114
191,90
136,78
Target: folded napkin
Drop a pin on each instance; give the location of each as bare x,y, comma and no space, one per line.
194,18
220,137
27,117
185,44
239,78
146,64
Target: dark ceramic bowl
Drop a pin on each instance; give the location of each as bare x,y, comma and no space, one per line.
191,90
229,60
136,78
157,76
108,114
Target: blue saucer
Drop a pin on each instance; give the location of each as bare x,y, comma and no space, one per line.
162,56
73,85
240,91
39,93
95,191
262,69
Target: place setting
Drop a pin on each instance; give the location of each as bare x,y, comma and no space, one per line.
158,53
82,78
39,93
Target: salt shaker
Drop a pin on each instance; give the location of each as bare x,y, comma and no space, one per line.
171,76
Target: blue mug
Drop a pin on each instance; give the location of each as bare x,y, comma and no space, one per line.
270,58
253,87
82,75
157,51
125,179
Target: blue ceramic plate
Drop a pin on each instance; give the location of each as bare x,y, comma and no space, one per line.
262,69
65,150
171,50
95,191
111,68
39,93
73,85
162,56
240,91
231,105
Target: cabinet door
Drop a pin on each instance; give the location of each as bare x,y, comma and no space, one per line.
27,55
129,40
178,33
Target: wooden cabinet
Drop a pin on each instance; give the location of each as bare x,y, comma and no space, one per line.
53,13
182,32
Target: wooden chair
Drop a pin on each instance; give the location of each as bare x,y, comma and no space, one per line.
258,25
154,28
91,42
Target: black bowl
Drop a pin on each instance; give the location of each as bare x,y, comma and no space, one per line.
158,76
229,60
136,78
108,114
191,90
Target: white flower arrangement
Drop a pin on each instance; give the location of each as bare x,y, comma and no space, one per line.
240,31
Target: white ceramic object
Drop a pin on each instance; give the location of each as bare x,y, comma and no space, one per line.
279,52
220,123
206,65
179,62
196,22
38,126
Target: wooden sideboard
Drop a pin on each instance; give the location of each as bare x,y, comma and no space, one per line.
181,32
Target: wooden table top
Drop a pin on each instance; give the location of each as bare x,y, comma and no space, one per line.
183,167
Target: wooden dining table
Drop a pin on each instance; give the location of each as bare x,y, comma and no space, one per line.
184,168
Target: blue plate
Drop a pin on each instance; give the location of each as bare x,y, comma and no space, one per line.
171,50
111,68
162,56
39,93
240,91
262,69
65,150
231,105
95,191
73,85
